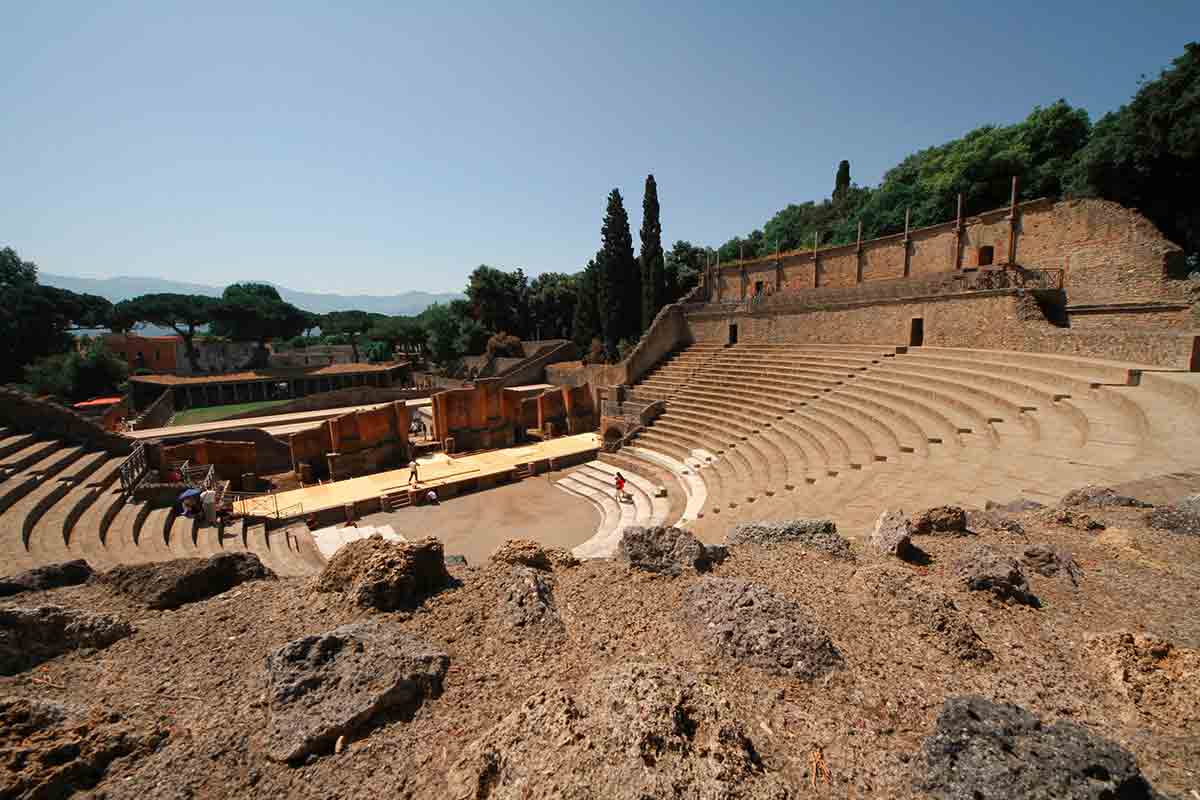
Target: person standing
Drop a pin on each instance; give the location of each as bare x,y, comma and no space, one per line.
619,480
413,477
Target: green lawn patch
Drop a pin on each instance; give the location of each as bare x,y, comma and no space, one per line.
194,416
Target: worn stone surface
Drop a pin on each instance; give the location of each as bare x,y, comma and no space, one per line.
997,521
1018,506
670,551
815,534
48,750
984,568
1092,496
892,535
335,683
531,554
29,636
170,584
387,576
941,519
900,596
1182,517
632,731
747,622
47,576
995,751
1047,560
1159,679
528,600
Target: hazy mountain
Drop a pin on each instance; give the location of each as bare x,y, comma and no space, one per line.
123,288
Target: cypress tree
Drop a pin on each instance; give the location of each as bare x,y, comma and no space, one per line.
620,293
841,183
652,267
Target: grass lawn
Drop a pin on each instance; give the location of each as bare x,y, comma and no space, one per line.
193,416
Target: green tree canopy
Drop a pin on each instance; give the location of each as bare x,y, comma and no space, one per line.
586,323
499,300
35,320
350,324
185,314
254,312
552,305
1147,153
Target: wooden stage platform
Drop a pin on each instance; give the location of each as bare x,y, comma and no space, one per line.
447,474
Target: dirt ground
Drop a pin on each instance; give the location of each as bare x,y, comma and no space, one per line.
475,524
198,672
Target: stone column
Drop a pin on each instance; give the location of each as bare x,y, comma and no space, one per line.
958,235
1012,224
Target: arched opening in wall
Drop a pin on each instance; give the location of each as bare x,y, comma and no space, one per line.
916,332
733,333
987,255
612,436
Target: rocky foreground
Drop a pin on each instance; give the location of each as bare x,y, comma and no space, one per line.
1018,651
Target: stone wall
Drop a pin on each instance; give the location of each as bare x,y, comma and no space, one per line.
158,414
358,443
231,459
1001,319
30,414
1109,254
481,417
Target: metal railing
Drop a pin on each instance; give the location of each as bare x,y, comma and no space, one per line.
134,468
262,504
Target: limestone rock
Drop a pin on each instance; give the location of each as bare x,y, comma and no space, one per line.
892,535
900,597
49,750
1092,496
1070,518
716,552
29,636
993,521
376,573
529,600
1182,517
814,534
985,750
48,576
747,622
942,519
531,554
632,731
670,551
334,684
170,584
984,568
1046,560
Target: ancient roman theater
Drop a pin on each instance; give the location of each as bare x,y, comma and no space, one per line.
1022,352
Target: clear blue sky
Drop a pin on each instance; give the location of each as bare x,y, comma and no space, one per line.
389,148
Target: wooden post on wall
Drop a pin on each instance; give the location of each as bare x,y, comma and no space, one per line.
958,236
816,266
858,256
1012,223
907,213
778,269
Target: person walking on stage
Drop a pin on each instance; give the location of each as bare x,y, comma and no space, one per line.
413,477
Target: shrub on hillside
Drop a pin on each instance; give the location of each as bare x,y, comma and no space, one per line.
78,376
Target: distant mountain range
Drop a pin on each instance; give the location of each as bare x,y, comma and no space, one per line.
123,288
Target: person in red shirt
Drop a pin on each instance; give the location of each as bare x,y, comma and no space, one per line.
620,482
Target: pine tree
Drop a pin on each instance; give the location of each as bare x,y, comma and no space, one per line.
620,285
652,266
841,184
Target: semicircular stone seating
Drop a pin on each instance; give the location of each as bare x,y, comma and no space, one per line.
774,431
61,501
